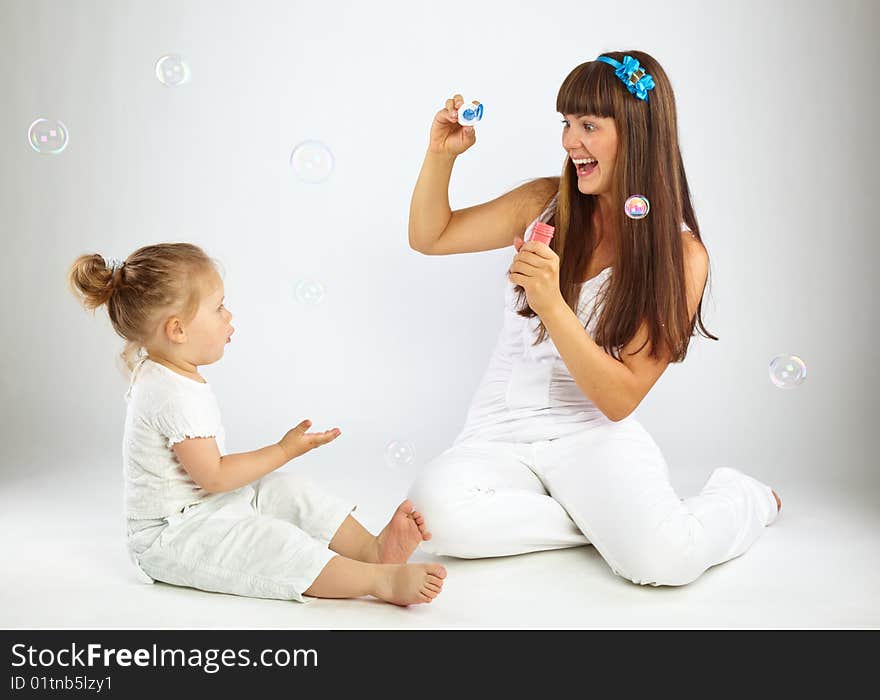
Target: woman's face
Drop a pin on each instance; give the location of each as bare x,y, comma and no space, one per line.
586,137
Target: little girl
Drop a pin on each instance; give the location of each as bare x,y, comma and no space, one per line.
199,517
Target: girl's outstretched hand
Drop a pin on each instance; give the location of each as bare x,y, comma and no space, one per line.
448,137
297,441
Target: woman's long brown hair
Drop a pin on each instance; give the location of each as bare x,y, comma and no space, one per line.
648,280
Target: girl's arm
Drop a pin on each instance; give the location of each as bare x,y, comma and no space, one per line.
201,458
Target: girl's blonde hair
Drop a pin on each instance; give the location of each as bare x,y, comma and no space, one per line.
151,280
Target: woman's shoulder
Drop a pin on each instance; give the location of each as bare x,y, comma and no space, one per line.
544,189
537,196
696,262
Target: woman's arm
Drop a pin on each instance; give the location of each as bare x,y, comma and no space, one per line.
434,229
617,387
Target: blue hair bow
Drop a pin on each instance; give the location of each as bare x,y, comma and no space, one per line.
631,74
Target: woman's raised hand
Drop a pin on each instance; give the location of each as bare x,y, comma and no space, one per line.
448,137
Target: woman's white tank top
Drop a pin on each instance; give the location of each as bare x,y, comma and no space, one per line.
527,393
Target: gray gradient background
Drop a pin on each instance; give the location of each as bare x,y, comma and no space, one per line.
777,124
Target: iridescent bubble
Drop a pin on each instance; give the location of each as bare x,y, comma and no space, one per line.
399,453
309,292
312,161
172,70
637,206
47,136
787,371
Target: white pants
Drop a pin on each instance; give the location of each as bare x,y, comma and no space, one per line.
266,540
607,486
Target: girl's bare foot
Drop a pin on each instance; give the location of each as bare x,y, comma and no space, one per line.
408,584
403,533
778,501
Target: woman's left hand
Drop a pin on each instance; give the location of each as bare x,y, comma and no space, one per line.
536,269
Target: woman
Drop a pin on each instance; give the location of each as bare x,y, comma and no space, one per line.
550,455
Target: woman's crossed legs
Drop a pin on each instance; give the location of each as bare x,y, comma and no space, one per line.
607,486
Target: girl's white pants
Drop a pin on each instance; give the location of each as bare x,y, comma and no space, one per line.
607,486
265,540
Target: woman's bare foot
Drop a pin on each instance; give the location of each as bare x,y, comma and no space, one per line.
408,584
403,533
778,501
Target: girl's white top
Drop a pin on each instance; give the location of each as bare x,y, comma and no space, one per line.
527,393
164,408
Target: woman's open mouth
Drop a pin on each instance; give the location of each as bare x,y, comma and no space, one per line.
586,166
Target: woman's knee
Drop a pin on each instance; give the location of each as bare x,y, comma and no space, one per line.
658,561
444,510
662,574
433,500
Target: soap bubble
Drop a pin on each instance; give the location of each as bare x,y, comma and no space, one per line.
637,206
47,136
399,453
309,292
172,70
787,371
312,161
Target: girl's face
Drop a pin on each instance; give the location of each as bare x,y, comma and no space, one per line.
588,137
210,330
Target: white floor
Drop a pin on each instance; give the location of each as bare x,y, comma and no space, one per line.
817,566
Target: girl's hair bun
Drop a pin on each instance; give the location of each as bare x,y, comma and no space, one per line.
93,279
